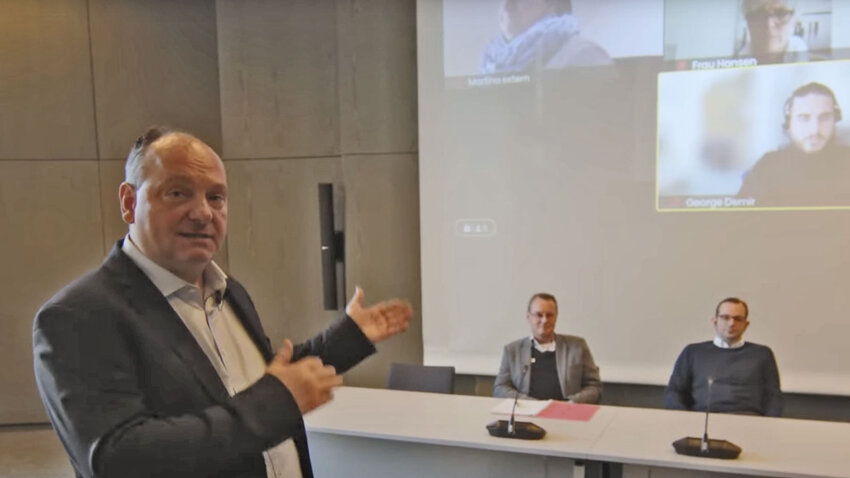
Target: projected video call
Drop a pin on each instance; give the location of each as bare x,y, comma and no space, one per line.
747,93
638,157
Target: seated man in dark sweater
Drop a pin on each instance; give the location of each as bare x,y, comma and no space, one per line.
741,377
548,365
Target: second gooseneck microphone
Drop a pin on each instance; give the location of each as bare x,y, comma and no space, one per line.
512,428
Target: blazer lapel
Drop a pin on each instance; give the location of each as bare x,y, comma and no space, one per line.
525,360
155,314
238,298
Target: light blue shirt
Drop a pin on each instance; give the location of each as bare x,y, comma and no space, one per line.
221,336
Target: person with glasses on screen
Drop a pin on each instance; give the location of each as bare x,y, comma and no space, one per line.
156,363
770,32
538,34
740,377
547,365
813,169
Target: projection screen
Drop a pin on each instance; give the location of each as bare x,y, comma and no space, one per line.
640,174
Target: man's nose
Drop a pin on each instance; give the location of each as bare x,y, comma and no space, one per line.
810,127
201,210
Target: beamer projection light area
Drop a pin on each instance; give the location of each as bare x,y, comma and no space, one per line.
641,160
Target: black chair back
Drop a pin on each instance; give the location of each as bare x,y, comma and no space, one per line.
421,378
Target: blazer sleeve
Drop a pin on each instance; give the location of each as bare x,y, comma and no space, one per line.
342,345
504,385
591,384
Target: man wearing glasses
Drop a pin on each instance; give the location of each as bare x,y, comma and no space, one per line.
771,38
734,375
547,365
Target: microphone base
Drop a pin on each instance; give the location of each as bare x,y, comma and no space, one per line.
522,430
692,446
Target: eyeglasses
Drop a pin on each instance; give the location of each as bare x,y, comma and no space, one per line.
736,318
782,15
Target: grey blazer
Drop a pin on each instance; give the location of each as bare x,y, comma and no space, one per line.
577,372
131,393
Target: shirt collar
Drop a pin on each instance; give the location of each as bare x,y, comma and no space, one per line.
726,345
550,347
215,280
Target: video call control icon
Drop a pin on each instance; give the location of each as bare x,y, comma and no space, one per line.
475,227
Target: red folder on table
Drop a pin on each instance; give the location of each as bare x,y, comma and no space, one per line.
569,411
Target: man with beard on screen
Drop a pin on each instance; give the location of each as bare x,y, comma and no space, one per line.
813,169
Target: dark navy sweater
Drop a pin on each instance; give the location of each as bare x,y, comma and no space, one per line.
745,380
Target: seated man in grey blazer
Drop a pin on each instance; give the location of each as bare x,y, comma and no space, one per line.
156,363
548,365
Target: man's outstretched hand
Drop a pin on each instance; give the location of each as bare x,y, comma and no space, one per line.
381,320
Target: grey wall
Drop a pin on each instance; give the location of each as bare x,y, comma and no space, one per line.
291,93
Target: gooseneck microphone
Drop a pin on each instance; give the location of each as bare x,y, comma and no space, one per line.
705,447
512,428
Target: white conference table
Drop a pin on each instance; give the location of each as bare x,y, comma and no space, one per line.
376,432
776,447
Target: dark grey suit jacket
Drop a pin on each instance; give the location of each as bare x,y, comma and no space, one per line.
577,372
131,393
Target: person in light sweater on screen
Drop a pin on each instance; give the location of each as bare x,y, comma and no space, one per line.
548,365
539,34
737,376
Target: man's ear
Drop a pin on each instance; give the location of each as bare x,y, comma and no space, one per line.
127,201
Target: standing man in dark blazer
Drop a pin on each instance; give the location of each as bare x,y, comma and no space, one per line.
548,365
156,364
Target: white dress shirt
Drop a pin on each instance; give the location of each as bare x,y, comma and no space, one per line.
726,345
547,347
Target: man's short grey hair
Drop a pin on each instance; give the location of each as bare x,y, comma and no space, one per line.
542,296
134,168
750,6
